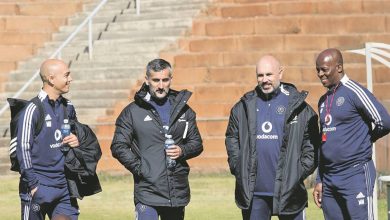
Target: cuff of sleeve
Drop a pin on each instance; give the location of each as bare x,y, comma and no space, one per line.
183,152
33,185
318,179
32,181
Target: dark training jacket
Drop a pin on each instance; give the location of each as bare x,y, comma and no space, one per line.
81,162
138,144
298,153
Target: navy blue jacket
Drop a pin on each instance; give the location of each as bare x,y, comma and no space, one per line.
41,159
356,120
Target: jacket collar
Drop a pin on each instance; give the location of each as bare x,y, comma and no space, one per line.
42,95
178,99
295,100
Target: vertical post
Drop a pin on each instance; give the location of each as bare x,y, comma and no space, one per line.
138,6
369,67
90,49
388,200
370,88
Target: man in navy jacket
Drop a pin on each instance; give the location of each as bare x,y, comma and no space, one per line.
351,119
43,185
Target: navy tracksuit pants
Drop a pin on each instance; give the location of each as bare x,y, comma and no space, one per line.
261,209
348,194
49,201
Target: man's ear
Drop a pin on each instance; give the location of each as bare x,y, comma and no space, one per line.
281,70
50,79
146,80
339,68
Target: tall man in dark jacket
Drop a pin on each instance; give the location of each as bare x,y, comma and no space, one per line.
138,144
271,141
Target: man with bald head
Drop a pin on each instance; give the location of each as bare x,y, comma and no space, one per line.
43,186
271,141
351,119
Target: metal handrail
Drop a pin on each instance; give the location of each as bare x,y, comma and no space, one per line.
138,6
57,53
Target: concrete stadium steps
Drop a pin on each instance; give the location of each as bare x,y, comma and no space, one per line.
25,25
178,31
151,24
280,8
15,38
131,59
77,85
217,61
125,34
144,15
121,72
126,18
33,23
132,42
150,5
282,42
85,115
294,24
224,59
123,45
246,74
34,8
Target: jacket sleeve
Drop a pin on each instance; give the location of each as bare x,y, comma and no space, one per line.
193,145
232,139
374,111
121,146
25,142
311,144
71,111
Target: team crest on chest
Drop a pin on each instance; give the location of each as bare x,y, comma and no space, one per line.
340,101
280,109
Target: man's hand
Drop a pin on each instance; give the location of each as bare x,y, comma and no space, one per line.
33,191
317,194
71,140
174,152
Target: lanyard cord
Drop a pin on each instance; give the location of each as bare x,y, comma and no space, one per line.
328,107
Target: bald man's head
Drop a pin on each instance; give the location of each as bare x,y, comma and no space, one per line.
329,65
55,76
333,54
50,67
269,73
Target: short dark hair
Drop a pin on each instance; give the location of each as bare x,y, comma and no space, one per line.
158,65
